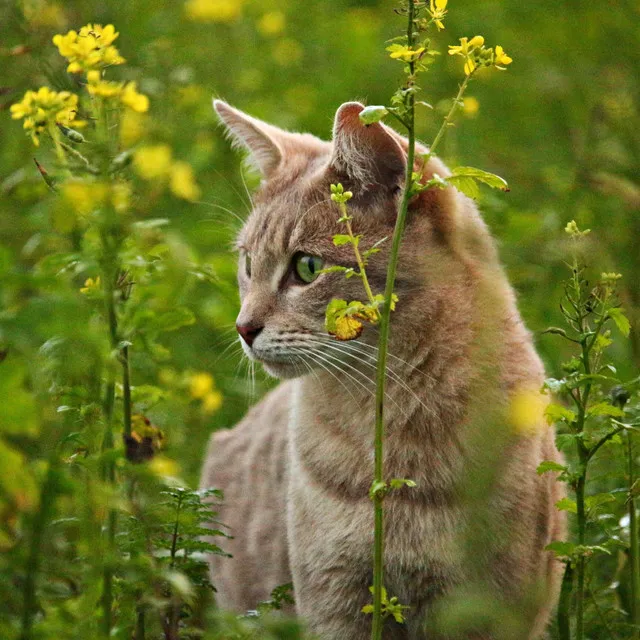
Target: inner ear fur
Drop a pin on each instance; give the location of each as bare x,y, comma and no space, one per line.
368,156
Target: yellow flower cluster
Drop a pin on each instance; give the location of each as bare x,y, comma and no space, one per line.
201,387
91,48
126,92
213,10
85,197
477,56
156,163
44,108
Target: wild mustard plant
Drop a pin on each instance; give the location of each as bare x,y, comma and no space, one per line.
115,261
344,320
594,418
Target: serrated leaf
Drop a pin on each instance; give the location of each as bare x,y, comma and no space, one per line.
556,413
341,238
567,504
465,184
549,465
622,322
605,409
372,114
490,179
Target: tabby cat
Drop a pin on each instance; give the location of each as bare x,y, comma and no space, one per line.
297,469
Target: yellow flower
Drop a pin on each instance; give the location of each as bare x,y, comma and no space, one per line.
212,402
132,127
470,106
403,52
91,48
153,162
134,100
121,196
466,49
469,66
272,23
200,384
438,10
501,58
527,411
105,88
44,108
91,285
182,182
84,197
213,10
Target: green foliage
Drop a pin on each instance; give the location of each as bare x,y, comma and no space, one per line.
593,423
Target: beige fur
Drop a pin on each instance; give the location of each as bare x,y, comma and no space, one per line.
297,470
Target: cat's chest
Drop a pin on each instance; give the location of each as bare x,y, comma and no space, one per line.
333,445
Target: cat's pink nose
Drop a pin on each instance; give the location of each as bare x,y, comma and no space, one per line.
248,332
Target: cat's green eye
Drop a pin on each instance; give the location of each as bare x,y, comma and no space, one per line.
247,264
307,267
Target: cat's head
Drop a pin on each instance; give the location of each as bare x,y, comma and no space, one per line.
288,238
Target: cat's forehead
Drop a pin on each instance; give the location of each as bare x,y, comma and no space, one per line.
298,215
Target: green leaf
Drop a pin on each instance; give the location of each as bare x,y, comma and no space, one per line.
561,549
334,269
372,114
467,185
622,322
549,465
567,504
605,409
172,320
555,386
556,413
490,179
398,483
341,238
378,489
598,499
331,314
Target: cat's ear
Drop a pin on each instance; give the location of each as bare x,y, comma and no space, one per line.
368,155
263,141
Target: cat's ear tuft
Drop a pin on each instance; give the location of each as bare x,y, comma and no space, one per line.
367,154
259,138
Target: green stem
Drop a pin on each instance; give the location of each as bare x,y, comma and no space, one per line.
126,390
383,341
108,474
634,558
580,564
356,250
564,604
446,123
47,496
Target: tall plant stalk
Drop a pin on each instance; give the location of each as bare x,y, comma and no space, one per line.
383,342
634,558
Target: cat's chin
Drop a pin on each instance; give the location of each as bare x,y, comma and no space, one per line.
283,370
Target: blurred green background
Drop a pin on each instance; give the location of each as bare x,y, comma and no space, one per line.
561,125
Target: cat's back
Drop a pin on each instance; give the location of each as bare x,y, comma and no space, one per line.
248,463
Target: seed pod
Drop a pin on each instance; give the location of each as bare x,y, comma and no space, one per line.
72,134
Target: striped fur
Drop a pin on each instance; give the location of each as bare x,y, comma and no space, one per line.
296,471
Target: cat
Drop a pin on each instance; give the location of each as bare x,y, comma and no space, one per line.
296,471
